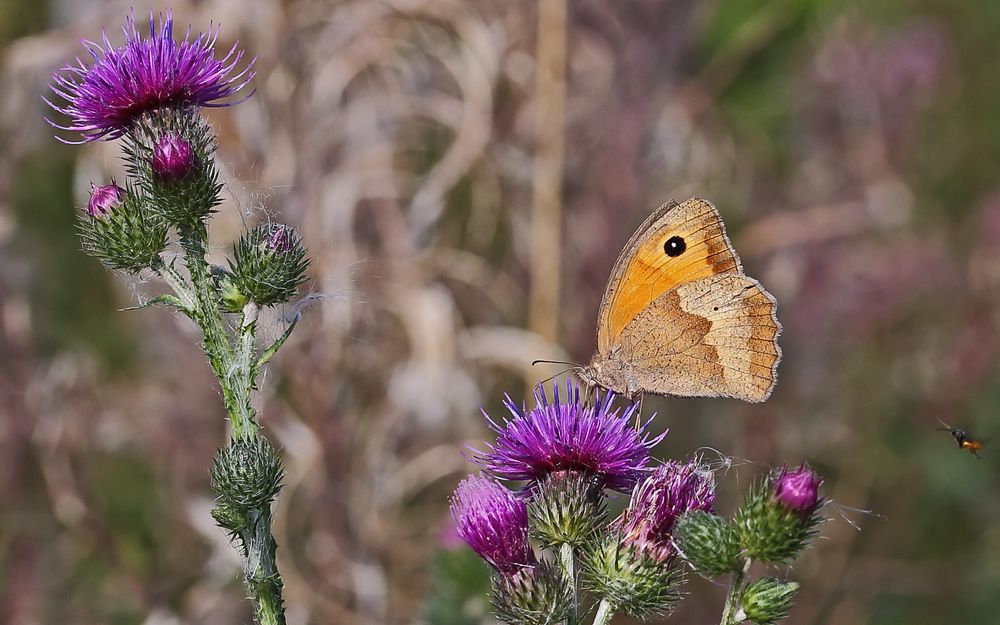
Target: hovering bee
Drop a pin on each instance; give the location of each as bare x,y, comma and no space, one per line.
963,439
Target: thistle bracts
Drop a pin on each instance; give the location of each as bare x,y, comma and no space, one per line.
117,229
773,525
268,264
631,579
533,595
708,542
170,152
568,507
767,600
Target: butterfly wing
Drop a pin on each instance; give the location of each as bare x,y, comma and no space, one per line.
716,336
677,244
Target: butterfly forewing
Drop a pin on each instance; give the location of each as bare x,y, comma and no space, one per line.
679,243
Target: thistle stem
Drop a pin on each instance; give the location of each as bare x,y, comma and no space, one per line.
604,613
234,362
734,597
569,568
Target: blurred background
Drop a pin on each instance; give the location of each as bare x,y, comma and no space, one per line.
465,174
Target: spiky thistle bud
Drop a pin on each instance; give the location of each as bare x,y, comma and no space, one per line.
269,264
104,199
630,579
780,515
247,474
768,600
118,230
534,595
566,508
173,158
231,299
170,152
708,542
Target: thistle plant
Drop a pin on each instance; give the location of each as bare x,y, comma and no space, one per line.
564,457
149,92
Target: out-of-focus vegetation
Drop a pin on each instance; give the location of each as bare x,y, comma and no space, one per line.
853,148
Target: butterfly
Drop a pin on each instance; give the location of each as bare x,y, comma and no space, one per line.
679,317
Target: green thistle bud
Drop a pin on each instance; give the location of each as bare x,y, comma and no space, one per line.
768,600
231,299
770,530
631,580
246,475
171,152
567,508
118,230
535,595
230,519
708,542
269,264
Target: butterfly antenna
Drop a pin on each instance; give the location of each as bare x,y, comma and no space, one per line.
552,377
554,362
945,426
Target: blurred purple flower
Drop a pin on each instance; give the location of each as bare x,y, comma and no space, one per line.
798,490
142,75
493,521
103,199
671,490
173,157
569,436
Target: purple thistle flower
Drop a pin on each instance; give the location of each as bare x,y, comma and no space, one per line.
279,241
798,490
173,157
569,436
493,521
143,75
104,199
671,490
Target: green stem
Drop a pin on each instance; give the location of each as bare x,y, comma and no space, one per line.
226,362
604,613
734,598
569,568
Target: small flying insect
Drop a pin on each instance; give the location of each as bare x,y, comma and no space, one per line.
963,439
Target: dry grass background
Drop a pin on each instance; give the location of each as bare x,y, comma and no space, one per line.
463,202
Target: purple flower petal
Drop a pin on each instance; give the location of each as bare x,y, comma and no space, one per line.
143,75
493,521
569,436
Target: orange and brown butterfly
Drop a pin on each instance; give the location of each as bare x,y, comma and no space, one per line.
679,317
964,440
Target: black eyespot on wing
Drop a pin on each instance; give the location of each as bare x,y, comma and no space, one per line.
674,246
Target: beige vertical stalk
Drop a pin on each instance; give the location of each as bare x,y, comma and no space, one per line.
550,102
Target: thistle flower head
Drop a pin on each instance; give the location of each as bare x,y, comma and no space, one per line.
671,490
493,521
103,199
569,436
281,240
103,99
798,490
173,157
